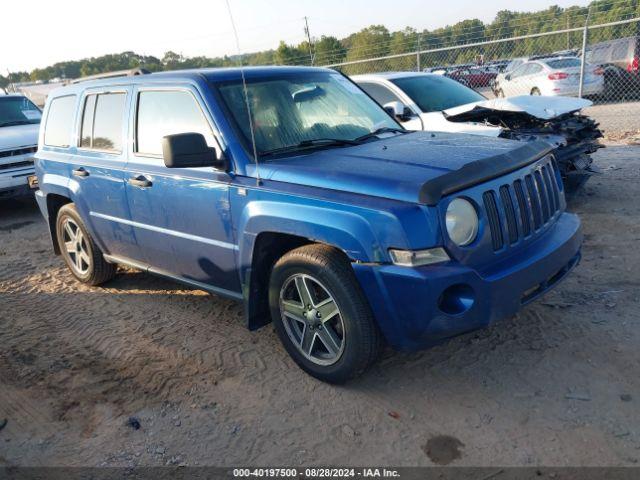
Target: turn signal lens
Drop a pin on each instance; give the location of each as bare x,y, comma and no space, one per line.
416,258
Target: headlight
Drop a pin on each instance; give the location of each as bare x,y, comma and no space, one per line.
462,222
416,258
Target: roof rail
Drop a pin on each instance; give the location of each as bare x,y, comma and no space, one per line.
120,73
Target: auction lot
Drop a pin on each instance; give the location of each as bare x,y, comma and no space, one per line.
559,384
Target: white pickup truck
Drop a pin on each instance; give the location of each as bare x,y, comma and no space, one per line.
19,126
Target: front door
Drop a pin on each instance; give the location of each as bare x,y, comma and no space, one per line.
181,217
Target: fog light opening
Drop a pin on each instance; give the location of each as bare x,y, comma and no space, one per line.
456,299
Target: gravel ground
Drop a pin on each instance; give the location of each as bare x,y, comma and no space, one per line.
619,121
559,384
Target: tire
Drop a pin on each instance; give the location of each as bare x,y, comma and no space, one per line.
535,91
354,338
81,254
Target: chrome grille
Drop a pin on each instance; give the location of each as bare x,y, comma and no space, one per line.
18,151
12,166
520,209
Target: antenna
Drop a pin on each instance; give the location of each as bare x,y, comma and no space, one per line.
246,96
306,30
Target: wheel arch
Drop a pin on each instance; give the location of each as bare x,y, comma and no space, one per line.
268,234
54,202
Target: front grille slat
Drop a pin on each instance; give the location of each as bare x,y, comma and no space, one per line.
535,202
523,206
11,166
521,209
18,151
542,193
552,187
494,219
510,213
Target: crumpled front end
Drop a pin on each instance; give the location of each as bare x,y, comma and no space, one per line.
574,135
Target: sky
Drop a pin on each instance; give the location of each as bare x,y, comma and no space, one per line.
53,31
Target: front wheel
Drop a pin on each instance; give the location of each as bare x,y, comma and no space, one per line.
81,254
321,315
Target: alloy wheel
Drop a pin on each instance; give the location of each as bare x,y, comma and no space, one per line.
312,319
75,247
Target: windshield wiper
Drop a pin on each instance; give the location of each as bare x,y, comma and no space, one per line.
378,131
309,144
15,122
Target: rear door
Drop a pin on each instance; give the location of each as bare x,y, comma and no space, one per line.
181,216
96,169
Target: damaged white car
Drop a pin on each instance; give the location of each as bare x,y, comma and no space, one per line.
424,101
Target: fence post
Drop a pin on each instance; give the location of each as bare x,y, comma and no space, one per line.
418,55
585,34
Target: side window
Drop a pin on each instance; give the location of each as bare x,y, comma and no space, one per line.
380,93
102,122
518,72
57,131
534,68
162,113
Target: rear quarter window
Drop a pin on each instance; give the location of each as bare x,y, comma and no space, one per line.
57,132
620,51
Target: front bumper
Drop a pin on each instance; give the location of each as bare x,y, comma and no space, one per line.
420,307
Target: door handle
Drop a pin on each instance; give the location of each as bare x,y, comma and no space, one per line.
140,181
80,172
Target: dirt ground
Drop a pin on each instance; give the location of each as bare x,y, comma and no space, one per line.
559,384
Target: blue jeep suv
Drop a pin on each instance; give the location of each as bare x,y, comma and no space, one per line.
291,190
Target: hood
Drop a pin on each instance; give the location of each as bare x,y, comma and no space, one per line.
19,136
396,167
543,108
438,122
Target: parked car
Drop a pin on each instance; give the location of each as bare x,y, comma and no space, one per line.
475,77
423,101
622,52
19,124
550,77
619,61
516,62
301,197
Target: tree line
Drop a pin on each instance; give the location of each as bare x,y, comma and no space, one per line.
377,40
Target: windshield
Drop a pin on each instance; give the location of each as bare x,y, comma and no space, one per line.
564,63
291,109
434,93
18,111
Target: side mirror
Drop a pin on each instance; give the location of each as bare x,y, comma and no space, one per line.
398,110
187,150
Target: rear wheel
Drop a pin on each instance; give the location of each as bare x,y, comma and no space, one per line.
535,91
321,315
82,256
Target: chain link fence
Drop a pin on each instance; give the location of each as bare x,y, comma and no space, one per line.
545,63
